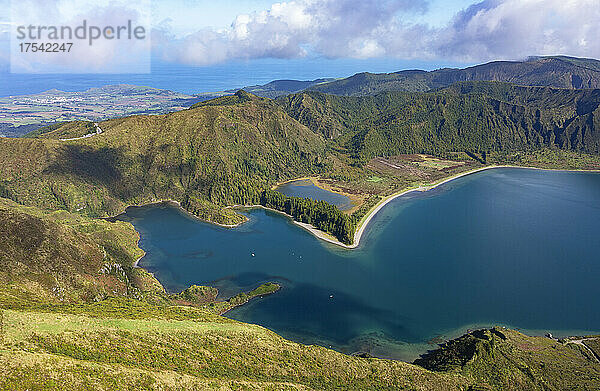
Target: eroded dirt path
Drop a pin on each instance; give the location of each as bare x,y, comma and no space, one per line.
580,343
98,131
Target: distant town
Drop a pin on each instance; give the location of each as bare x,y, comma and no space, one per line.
24,113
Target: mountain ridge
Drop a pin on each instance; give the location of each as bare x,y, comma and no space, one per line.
552,71
467,116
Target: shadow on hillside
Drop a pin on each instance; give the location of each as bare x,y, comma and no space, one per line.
97,166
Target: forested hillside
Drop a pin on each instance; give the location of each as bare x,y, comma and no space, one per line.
471,116
557,71
232,150
212,155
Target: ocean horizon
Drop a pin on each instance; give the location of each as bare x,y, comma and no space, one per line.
199,79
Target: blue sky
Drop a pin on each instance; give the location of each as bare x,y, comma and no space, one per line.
187,15
204,33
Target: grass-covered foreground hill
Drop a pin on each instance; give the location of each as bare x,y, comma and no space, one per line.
69,322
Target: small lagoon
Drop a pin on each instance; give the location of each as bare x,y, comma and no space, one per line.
513,247
304,188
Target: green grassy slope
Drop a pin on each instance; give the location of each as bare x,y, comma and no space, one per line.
158,348
72,350
55,257
154,346
65,130
555,71
205,157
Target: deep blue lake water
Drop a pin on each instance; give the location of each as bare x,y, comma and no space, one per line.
512,247
306,189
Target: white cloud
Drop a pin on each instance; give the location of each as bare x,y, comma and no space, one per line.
330,28
487,30
101,55
491,29
517,28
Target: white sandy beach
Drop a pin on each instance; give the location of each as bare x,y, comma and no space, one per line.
365,220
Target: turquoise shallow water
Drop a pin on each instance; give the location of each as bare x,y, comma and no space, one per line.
515,247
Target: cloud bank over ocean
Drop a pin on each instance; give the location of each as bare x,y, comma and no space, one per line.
78,36
357,29
491,29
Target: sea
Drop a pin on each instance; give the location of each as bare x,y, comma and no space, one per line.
191,80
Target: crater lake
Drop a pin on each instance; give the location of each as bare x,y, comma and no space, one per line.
507,246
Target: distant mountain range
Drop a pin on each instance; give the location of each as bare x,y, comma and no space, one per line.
554,71
557,71
279,88
22,114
